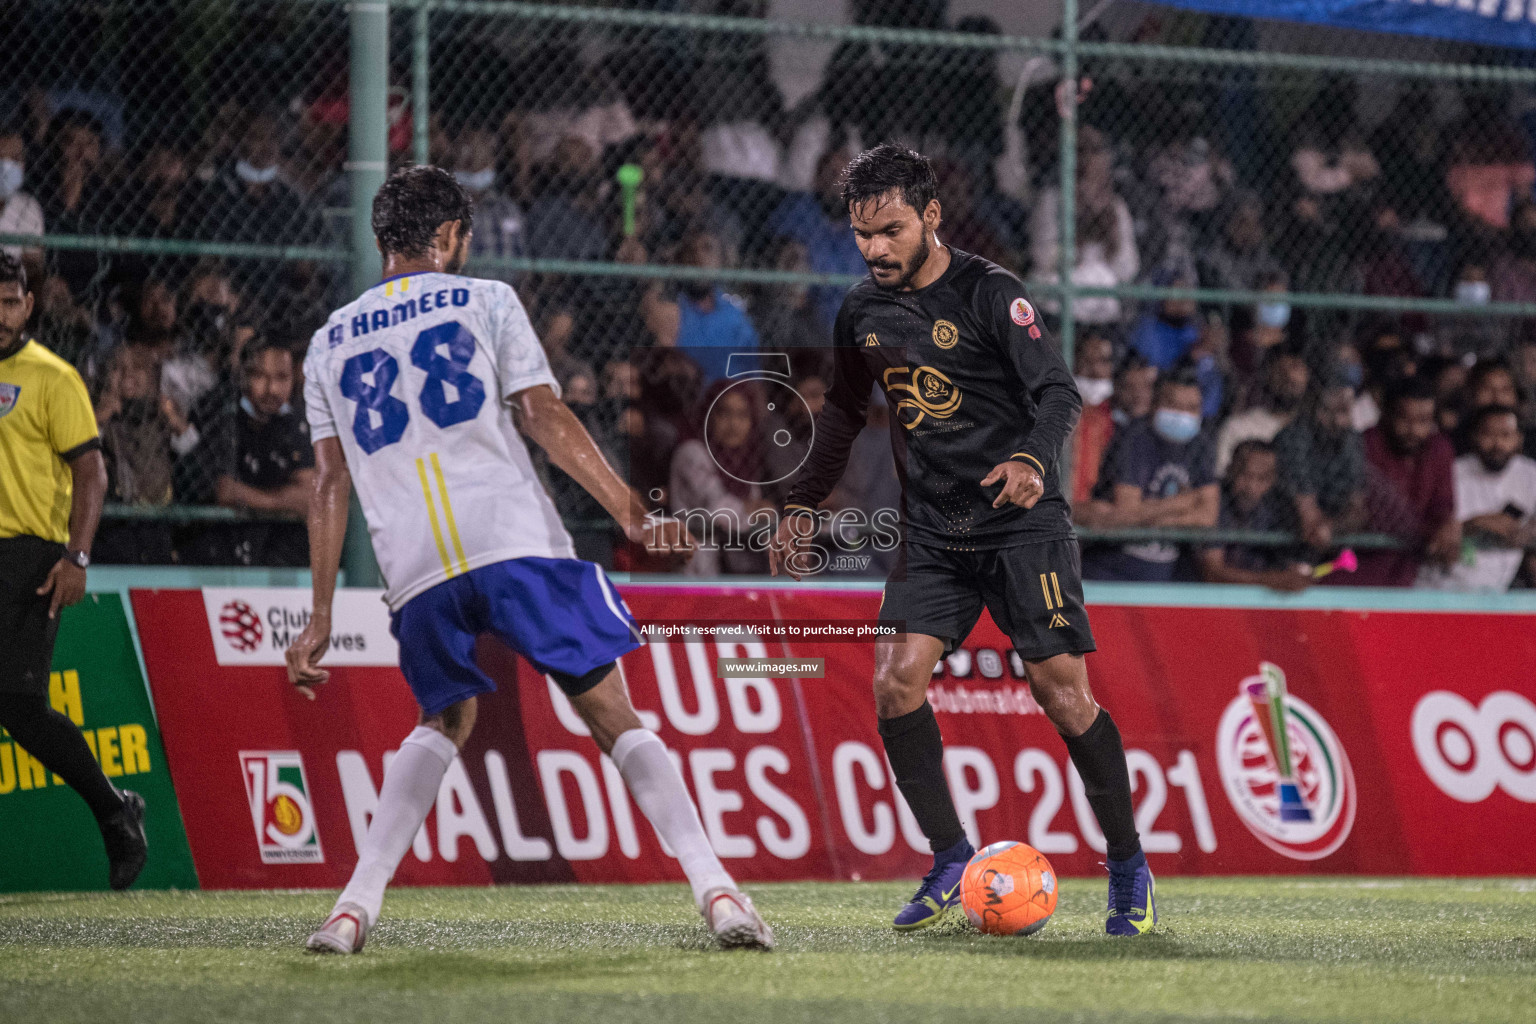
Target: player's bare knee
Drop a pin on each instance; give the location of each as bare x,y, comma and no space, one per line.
456,721
899,690
1060,686
606,710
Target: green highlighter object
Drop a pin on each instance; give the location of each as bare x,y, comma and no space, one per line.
629,178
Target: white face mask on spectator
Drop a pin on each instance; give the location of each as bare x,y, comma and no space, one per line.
476,181
1176,426
1274,314
253,175
249,408
11,175
1095,390
1476,293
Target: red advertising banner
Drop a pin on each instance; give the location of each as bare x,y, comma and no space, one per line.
1260,741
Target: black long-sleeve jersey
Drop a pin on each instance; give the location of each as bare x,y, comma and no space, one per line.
972,380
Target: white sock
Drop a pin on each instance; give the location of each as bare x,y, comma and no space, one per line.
653,780
409,790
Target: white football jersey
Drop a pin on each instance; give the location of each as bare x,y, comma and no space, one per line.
413,377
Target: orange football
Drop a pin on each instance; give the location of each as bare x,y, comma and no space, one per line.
1009,889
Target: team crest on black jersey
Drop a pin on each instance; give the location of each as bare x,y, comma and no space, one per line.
945,334
927,393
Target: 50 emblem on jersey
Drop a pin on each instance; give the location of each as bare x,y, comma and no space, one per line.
381,418
926,392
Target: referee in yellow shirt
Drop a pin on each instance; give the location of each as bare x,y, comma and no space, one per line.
52,481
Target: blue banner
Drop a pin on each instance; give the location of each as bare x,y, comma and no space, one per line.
1509,23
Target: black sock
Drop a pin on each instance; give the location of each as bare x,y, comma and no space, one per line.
916,750
1100,759
55,741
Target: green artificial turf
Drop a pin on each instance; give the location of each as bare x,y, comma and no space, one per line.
1318,949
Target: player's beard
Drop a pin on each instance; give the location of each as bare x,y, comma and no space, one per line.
11,341
915,264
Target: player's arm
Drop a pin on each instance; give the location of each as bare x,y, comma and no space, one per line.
549,422
1003,306
327,522
528,386
72,432
66,580
841,418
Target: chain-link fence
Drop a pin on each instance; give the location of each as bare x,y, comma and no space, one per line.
1259,209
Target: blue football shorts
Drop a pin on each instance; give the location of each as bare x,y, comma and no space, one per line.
561,614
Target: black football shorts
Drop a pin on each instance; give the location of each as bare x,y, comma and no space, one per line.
26,631
1034,592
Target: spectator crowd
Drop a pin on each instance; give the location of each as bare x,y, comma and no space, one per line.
652,150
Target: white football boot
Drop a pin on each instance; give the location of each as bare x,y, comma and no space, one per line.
734,921
344,931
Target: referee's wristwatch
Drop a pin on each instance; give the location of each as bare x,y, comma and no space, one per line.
79,558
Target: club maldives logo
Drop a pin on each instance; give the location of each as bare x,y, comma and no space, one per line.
1284,769
255,625
240,625
278,794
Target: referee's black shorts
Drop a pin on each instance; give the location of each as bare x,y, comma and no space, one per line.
26,631
1034,592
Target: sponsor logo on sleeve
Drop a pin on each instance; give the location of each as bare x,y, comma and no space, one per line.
1023,314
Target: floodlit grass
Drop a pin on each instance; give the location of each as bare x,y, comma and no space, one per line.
1318,949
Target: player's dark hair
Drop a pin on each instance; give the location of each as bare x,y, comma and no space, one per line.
412,204
888,166
1488,412
12,270
1409,389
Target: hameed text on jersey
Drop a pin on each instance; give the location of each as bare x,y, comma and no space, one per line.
413,378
